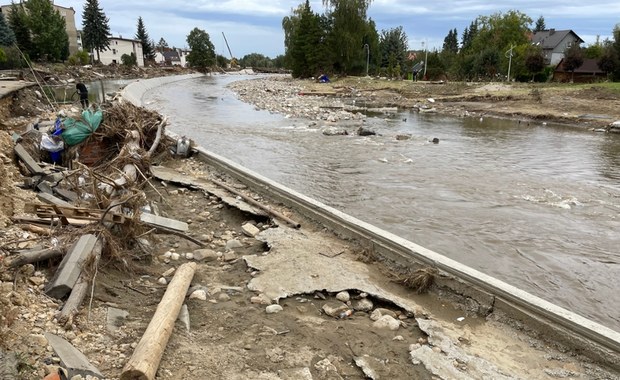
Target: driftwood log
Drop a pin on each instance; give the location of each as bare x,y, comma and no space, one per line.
34,256
145,360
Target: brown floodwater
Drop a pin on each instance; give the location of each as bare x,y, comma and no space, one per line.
535,206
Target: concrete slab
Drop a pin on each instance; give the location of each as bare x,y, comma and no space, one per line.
171,175
9,86
160,221
71,358
70,267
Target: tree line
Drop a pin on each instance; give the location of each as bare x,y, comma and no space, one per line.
344,41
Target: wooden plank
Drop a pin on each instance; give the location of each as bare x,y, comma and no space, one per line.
70,268
32,166
73,360
50,199
145,359
68,195
160,221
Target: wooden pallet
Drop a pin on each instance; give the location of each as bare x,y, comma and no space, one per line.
73,215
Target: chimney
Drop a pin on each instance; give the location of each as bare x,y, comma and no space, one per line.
551,31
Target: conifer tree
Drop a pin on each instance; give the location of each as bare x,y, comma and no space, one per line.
540,25
47,30
7,37
18,21
148,50
95,28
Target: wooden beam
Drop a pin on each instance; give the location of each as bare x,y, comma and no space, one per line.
32,166
145,359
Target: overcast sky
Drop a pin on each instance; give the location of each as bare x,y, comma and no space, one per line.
253,26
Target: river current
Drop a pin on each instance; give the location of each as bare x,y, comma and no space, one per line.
534,205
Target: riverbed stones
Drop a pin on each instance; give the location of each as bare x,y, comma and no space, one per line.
333,309
363,304
343,296
206,255
233,243
387,322
250,230
272,309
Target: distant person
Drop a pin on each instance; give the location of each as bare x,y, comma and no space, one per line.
83,92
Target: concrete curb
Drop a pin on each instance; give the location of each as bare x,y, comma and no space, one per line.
134,91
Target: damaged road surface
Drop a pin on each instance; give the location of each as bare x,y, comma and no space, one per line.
189,274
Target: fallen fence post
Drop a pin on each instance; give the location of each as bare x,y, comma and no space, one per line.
145,360
70,268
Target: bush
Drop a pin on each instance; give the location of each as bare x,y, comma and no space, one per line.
12,59
129,60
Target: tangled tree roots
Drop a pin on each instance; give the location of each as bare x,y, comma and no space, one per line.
420,280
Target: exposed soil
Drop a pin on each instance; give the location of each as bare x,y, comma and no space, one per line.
231,336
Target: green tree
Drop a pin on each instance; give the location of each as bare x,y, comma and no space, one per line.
306,52
349,25
573,59
162,45
18,20
469,34
148,50
540,25
393,44
7,37
221,61
451,42
255,60
534,60
595,50
47,30
95,28
202,55
129,60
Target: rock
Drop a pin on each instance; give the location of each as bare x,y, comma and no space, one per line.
334,309
403,137
162,281
199,294
387,322
333,131
234,243
205,255
272,309
250,229
363,305
261,299
379,312
361,131
326,370
343,296
229,256
398,338
223,297
189,256
175,256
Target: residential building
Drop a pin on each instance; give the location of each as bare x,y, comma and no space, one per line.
120,46
588,72
554,43
67,13
172,57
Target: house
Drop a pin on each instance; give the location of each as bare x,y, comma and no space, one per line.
588,72
67,13
172,57
118,47
554,43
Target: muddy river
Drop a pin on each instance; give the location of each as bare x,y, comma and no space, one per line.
535,206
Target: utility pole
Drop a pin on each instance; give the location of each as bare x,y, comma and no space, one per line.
367,57
509,56
425,43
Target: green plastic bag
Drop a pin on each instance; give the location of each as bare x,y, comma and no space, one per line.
76,131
